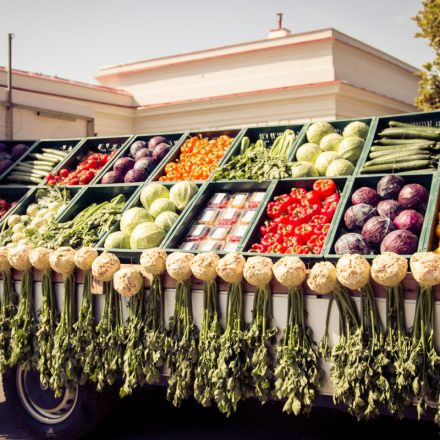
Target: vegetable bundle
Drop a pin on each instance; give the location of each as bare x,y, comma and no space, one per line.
404,147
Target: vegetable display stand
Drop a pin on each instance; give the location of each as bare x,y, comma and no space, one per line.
186,222
130,255
174,139
285,187
340,228
398,135
339,128
236,134
12,194
45,156
7,167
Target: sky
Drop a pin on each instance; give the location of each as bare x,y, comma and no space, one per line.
72,39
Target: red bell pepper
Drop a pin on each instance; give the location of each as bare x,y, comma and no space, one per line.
293,241
304,250
285,230
317,249
312,210
270,239
336,197
257,247
318,219
311,198
297,194
324,188
329,210
304,231
316,240
293,249
274,209
276,248
321,229
281,220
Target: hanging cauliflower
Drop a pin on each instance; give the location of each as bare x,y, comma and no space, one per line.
62,261
290,271
389,269
230,267
105,266
353,271
39,258
5,266
18,257
153,261
322,278
258,271
128,281
425,268
204,266
178,265
85,257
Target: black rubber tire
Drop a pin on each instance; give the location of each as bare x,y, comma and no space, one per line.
90,409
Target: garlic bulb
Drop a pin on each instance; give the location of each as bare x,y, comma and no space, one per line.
18,257
85,257
230,267
39,258
290,271
153,261
204,266
353,271
389,269
61,260
178,265
425,268
5,266
322,278
258,271
127,281
105,266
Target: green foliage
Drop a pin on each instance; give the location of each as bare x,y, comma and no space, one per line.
428,20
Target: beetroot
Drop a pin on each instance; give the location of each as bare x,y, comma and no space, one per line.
4,165
123,165
18,151
400,242
410,220
136,146
365,195
139,175
357,215
3,148
146,163
5,156
389,186
160,151
112,177
375,230
156,140
143,152
414,196
389,208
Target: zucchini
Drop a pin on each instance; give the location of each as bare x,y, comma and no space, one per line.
411,133
32,172
391,141
406,125
397,167
45,158
23,179
393,159
389,150
60,153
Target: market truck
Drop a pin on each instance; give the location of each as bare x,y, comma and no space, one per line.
296,263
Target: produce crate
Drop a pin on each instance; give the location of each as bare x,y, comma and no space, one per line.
428,119
185,222
339,127
430,240
359,181
30,143
175,139
283,187
130,255
175,153
95,194
13,194
92,144
55,144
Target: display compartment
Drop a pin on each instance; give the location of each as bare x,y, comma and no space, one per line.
340,228
428,119
93,145
176,152
132,255
175,140
284,187
339,127
232,221
13,194
43,146
9,145
430,231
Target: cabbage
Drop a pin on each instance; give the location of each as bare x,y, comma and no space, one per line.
304,169
351,148
318,130
376,228
166,220
161,205
366,195
117,240
324,160
400,242
357,215
351,243
308,153
181,193
389,186
152,192
340,167
330,142
356,128
146,235
410,220
389,208
414,196
132,217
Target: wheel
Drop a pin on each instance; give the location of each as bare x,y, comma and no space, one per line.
76,413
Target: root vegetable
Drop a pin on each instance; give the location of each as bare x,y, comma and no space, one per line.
230,267
18,257
322,278
85,257
258,271
39,258
290,271
178,266
203,266
425,268
353,271
389,269
62,261
128,281
5,266
153,261
105,266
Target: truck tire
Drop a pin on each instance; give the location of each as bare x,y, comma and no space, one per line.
76,413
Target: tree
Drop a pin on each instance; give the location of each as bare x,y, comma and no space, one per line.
428,20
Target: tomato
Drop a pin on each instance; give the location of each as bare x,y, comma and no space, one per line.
64,172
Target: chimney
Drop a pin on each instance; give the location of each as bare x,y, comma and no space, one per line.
280,31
